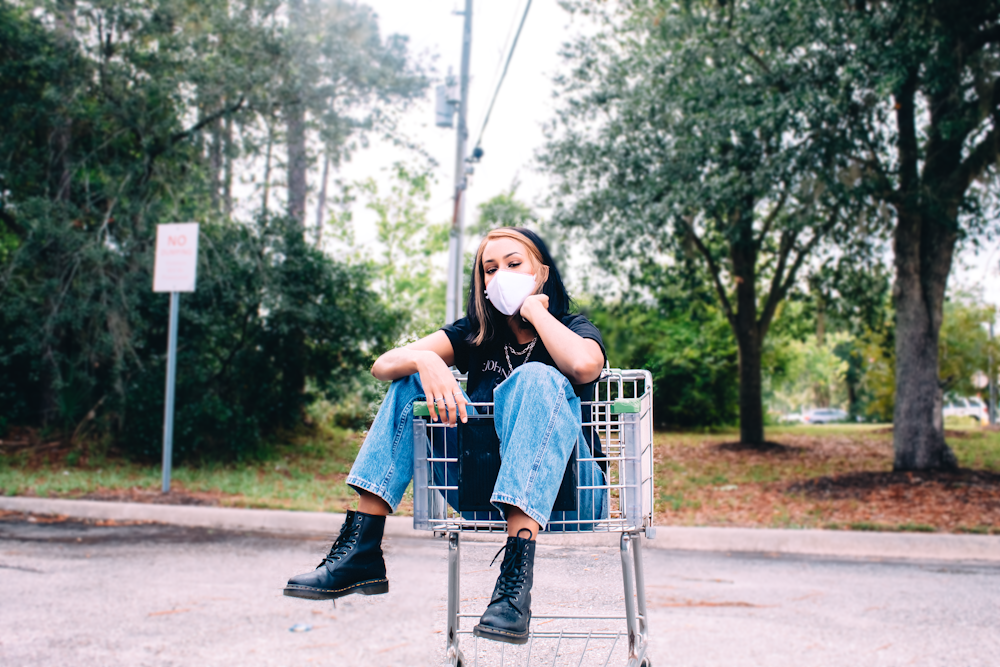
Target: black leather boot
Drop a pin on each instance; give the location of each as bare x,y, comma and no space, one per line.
354,564
507,617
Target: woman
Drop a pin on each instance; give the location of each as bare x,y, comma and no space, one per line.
523,351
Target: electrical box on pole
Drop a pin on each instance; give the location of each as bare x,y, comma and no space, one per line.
444,111
175,271
447,100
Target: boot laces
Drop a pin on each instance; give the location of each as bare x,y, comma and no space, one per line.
346,541
512,572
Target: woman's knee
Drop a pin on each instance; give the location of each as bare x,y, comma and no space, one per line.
535,372
407,388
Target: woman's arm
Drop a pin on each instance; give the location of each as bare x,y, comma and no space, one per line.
579,359
430,357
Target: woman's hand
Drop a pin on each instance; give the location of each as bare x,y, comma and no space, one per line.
430,357
533,306
442,391
579,359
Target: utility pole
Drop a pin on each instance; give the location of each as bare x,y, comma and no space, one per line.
453,304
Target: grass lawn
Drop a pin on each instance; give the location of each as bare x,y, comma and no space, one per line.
304,471
836,476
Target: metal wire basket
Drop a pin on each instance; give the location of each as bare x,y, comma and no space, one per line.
618,437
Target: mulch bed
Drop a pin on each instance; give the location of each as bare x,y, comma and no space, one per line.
835,481
177,496
861,485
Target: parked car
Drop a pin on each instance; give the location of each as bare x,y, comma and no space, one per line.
791,418
824,416
958,406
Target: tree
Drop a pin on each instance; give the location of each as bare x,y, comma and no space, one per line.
684,340
963,351
115,118
705,132
924,106
503,210
340,79
408,249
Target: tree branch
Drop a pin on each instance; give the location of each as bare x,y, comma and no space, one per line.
986,36
779,288
714,270
985,153
906,122
771,217
161,147
207,120
776,293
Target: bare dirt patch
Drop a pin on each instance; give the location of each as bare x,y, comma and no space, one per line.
176,496
763,448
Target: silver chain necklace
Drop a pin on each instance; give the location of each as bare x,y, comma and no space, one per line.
507,350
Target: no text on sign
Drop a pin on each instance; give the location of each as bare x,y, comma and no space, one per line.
176,265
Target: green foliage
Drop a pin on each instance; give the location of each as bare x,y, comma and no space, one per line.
812,374
407,249
339,68
706,134
878,379
963,350
964,347
115,117
689,350
269,313
503,210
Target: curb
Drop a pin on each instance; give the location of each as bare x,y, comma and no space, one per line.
830,543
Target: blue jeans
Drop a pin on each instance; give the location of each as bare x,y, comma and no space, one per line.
537,419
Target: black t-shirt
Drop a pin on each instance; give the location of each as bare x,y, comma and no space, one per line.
487,366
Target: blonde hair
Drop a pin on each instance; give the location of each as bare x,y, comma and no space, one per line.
479,308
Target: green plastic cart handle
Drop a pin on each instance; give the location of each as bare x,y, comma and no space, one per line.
622,406
625,406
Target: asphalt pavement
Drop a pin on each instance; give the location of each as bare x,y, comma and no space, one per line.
150,594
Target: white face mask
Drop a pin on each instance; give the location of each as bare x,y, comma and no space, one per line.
508,290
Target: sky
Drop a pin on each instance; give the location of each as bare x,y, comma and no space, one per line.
525,102
524,105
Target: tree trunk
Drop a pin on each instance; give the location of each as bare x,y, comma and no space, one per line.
296,131
321,203
751,394
215,165
227,185
295,120
924,243
267,170
748,334
821,391
918,428
62,125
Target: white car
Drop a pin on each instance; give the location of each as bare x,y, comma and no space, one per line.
824,416
957,406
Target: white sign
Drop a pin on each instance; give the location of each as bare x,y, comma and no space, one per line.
176,257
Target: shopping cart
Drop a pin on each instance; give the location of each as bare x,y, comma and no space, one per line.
618,425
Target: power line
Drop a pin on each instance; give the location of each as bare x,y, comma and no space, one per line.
506,45
496,92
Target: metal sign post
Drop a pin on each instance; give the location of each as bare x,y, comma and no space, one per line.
168,408
175,271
